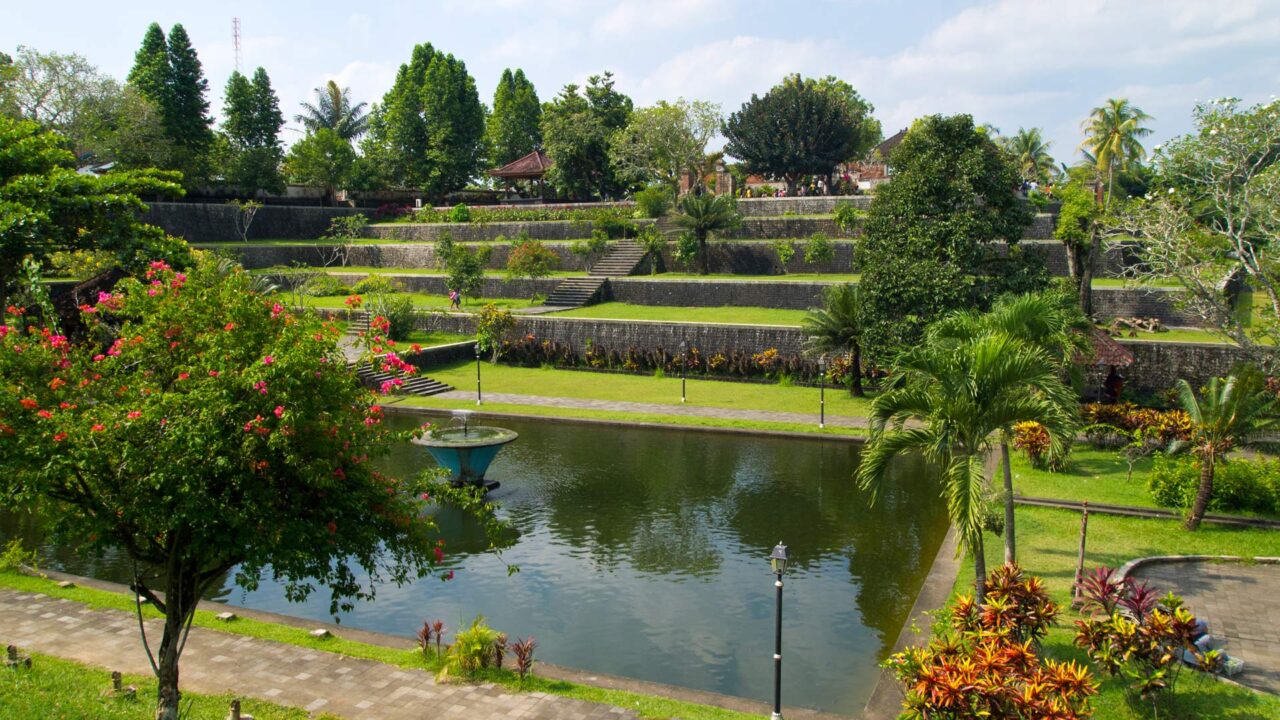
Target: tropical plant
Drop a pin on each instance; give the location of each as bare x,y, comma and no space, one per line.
962,394
321,158
818,250
523,650
1112,135
531,259
654,242
1234,411
460,213
493,325
785,250
653,201
686,249
1030,153
243,212
334,111
704,215
347,227
472,649
837,327
848,217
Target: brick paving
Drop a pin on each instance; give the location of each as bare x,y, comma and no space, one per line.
660,409
1241,604
216,662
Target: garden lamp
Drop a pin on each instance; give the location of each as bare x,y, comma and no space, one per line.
778,562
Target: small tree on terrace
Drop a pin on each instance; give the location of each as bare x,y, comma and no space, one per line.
838,327
199,429
705,214
531,259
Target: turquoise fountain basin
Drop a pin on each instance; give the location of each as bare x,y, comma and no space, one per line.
467,451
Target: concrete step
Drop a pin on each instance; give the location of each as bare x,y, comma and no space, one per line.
411,385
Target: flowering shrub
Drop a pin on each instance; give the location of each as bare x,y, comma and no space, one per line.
1117,424
984,664
1033,439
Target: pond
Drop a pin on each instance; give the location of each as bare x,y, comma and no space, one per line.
641,553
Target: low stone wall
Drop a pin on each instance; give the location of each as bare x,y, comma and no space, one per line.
682,293
821,205
1110,303
404,255
477,232
214,222
767,228
1158,365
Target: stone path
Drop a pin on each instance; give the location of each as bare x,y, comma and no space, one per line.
1241,603
660,409
216,662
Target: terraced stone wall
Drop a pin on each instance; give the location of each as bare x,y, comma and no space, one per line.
213,222
476,232
405,255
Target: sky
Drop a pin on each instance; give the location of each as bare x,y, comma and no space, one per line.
1010,63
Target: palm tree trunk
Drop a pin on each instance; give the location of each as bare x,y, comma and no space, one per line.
855,388
1204,493
1010,546
979,567
1086,265
702,250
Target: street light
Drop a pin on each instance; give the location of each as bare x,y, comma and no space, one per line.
479,398
778,561
684,348
822,391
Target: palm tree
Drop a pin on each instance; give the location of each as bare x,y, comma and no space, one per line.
1057,328
961,395
333,110
704,214
1031,154
1112,134
1233,411
838,327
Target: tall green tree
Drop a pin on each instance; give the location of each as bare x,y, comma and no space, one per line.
663,142
931,233
513,129
1080,227
837,327
429,130
333,110
948,401
800,127
704,215
1046,322
1236,411
576,128
1113,133
151,74
169,74
63,93
322,158
1031,154
251,122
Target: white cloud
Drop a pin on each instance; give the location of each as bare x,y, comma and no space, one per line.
629,17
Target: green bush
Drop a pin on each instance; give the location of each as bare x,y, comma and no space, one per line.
614,224
785,251
398,310
653,202
819,249
472,649
460,213
322,284
848,217
81,263
592,247
1238,485
686,250
347,227
377,284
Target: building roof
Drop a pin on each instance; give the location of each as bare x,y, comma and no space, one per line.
533,165
883,149
1106,351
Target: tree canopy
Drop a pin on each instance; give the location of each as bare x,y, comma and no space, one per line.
576,128
321,158
168,73
251,122
513,129
662,142
333,110
801,127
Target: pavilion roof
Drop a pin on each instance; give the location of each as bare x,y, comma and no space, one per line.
533,165
1106,351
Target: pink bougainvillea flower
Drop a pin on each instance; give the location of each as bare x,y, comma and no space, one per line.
276,309
439,554
152,292
45,414
279,411
60,437
98,427
213,373
261,387
133,414
268,359
99,357
183,375
229,327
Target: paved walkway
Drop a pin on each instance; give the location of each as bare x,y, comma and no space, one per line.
216,662
658,408
1241,603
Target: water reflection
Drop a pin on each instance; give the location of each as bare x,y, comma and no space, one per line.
642,554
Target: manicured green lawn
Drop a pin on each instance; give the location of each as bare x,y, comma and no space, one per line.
1099,476
438,302
1109,282
723,314
1177,335
367,270
649,389
56,688
789,277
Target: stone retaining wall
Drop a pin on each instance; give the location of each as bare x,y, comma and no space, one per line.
820,205
213,222
477,232
405,255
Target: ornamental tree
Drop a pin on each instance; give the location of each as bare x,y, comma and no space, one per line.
202,429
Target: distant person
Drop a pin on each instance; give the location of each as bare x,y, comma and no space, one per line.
455,300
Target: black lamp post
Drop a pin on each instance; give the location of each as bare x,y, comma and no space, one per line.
684,348
822,391
479,397
778,561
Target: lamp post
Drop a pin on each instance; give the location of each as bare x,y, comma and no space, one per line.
778,561
822,391
479,397
684,348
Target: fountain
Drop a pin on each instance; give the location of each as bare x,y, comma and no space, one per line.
466,450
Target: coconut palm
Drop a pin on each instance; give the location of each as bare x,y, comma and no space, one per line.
1112,134
838,328
1233,411
705,214
1030,152
333,110
1057,328
960,396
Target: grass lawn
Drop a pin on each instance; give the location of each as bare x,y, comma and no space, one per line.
789,277
1111,282
649,389
367,270
56,688
1047,545
724,314
648,706
1099,476
436,302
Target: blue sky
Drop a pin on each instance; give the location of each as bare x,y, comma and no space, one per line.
1011,63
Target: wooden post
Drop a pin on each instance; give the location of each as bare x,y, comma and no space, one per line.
1084,531
115,680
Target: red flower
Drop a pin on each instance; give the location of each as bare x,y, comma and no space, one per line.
229,327
439,554
29,404
60,437
133,414
213,373
45,414
279,411
98,427
448,575
268,360
183,376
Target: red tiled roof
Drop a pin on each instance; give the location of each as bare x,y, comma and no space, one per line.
533,165
1106,351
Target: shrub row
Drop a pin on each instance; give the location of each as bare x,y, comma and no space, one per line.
1248,485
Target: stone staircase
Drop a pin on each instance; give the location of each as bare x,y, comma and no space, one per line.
413,384
357,323
620,261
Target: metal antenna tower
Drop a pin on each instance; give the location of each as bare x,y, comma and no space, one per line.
235,38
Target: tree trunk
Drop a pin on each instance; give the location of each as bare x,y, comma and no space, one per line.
180,601
1204,493
855,387
979,567
1010,546
1087,263
702,250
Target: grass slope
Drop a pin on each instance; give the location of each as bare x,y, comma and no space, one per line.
724,314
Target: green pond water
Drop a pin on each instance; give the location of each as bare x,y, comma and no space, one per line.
642,554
